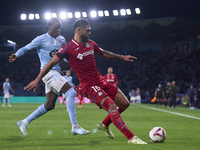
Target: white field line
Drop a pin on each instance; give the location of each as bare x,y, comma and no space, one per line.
171,112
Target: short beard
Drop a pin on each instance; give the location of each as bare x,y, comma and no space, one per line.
84,39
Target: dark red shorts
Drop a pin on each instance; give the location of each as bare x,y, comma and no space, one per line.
97,92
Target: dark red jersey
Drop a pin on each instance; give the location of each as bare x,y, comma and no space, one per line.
112,78
81,59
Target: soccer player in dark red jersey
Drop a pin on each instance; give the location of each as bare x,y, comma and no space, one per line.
80,54
111,77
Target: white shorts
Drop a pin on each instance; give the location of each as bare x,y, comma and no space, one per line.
138,97
54,81
6,95
133,98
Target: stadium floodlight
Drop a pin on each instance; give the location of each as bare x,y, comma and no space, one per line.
37,16
93,14
137,10
100,13
54,15
23,16
63,15
84,14
31,16
123,12
48,16
11,42
115,12
106,12
69,15
128,11
77,15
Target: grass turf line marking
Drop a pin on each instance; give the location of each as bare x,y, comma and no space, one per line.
172,112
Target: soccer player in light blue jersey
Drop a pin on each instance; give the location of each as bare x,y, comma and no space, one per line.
6,88
47,46
69,78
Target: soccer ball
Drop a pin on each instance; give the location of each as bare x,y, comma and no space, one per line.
157,135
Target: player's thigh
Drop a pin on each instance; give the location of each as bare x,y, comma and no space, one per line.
51,98
96,94
65,87
121,100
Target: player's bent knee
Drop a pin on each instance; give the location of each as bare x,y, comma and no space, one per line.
74,92
127,104
71,92
112,108
49,107
124,105
108,102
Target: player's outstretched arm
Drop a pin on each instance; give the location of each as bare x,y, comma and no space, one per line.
31,46
34,84
110,55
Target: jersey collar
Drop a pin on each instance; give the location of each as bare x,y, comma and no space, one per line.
77,43
50,35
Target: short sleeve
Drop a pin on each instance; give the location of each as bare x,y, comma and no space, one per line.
96,47
60,54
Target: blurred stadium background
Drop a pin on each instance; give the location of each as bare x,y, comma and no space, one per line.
163,35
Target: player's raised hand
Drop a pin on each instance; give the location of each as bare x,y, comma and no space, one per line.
129,58
33,85
12,58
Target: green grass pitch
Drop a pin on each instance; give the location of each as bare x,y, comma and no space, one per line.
53,130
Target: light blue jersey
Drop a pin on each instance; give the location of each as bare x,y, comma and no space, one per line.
6,85
69,79
46,47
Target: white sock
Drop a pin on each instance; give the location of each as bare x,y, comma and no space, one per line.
74,126
25,122
70,103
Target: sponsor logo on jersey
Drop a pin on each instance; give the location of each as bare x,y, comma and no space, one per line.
87,45
53,52
100,93
80,56
110,80
62,42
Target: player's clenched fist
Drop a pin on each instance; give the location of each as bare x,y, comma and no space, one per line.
12,58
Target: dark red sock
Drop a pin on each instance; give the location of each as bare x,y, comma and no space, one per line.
120,124
80,103
107,121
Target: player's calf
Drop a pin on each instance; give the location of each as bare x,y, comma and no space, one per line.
109,105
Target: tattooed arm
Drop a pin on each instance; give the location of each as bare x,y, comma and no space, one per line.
110,55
